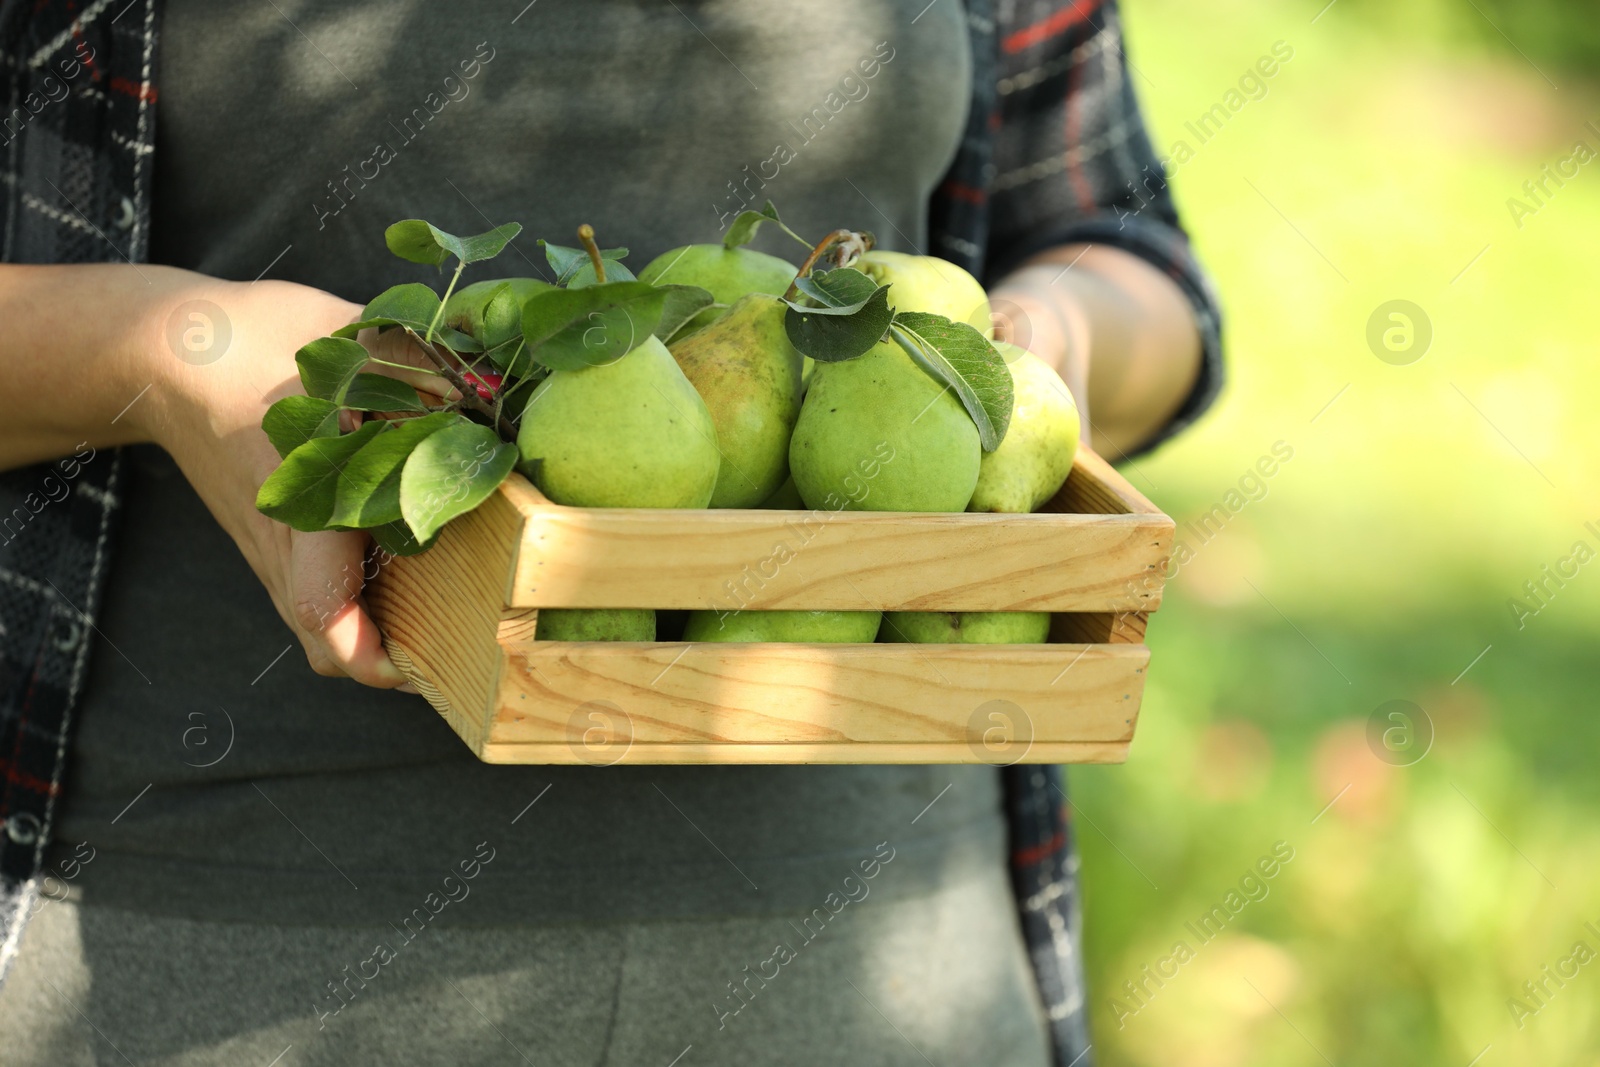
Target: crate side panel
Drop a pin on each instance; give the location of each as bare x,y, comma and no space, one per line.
597,695
440,613
840,561
707,754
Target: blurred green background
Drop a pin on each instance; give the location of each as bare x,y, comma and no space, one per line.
1380,563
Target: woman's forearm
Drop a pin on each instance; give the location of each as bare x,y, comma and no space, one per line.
1119,331
74,355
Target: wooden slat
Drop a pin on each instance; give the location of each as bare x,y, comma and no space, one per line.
873,697
1102,627
742,560
1040,752
1095,488
848,561
440,614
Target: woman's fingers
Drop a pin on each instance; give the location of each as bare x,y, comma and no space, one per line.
394,347
339,637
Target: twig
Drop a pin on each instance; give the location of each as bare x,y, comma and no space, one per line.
469,392
852,240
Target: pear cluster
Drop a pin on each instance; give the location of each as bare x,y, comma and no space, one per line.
725,412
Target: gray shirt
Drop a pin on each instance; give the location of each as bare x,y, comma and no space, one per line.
216,775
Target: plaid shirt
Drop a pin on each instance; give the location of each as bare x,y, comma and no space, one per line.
1054,153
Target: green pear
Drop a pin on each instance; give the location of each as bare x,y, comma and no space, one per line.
595,624
966,627
877,433
727,273
931,284
628,434
787,498
1035,457
809,627
748,373
464,309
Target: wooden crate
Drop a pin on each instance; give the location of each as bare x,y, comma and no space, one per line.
460,621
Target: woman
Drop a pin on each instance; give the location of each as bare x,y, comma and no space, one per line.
251,863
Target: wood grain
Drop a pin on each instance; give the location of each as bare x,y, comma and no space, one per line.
849,561
755,694
460,620
1095,488
1104,627
703,754
440,613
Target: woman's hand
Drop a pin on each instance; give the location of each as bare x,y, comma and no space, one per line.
1119,331
219,354
112,354
1029,312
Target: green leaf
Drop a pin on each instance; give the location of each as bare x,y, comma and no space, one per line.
294,420
328,365
959,356
482,246
397,539
512,359
502,318
514,398
830,335
502,331
745,224
303,491
584,276
422,242
368,492
845,288
683,303
569,329
379,392
412,304
450,473
412,240
569,262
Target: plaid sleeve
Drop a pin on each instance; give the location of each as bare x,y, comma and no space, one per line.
1072,162
76,137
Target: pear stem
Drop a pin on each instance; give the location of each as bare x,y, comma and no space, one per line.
586,235
827,243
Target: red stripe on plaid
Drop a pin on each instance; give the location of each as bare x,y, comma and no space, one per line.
1027,857
958,191
1053,26
86,56
28,781
14,757
126,87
